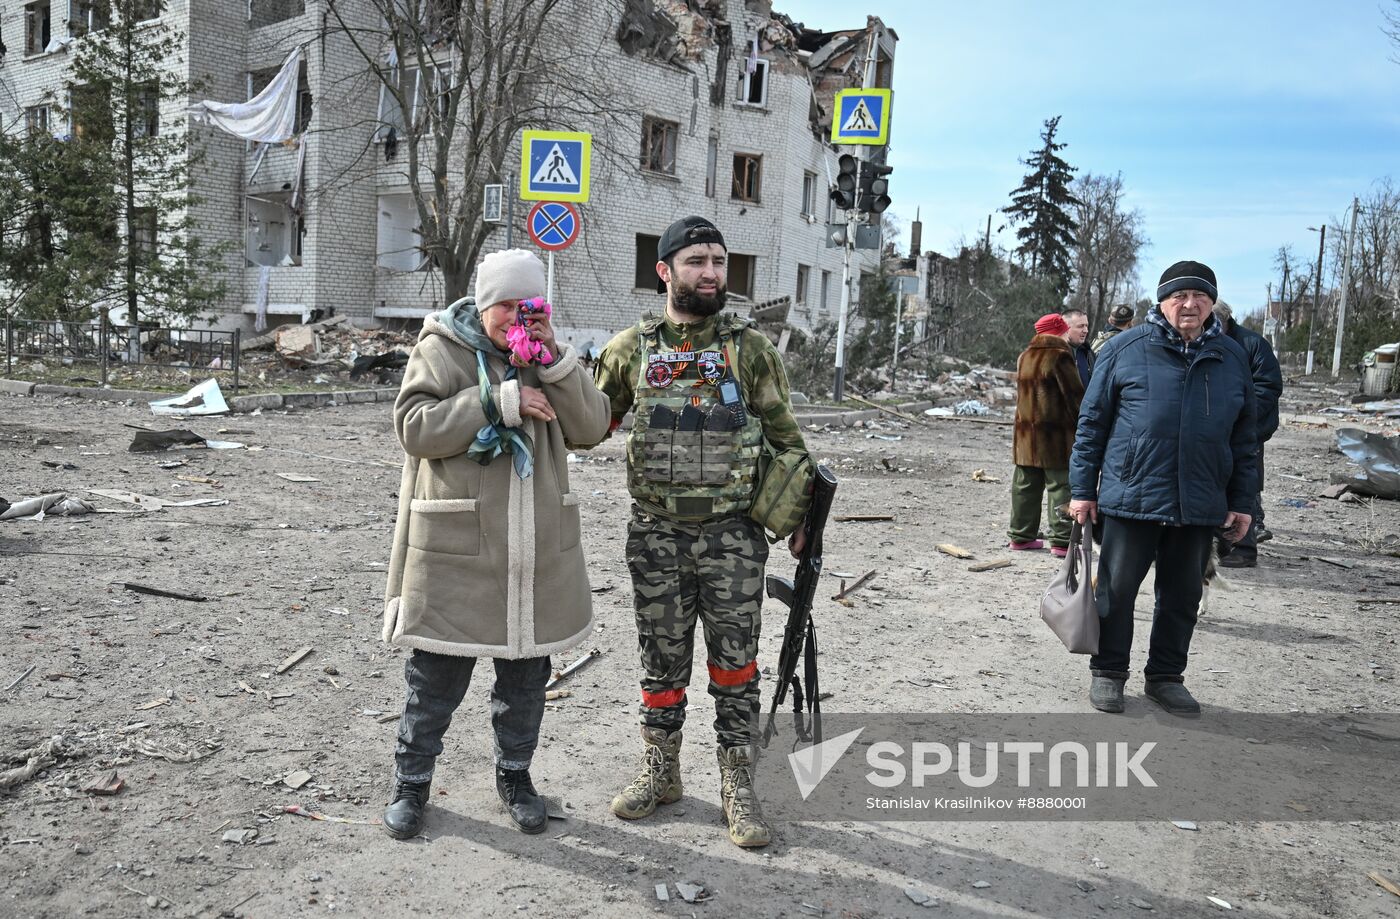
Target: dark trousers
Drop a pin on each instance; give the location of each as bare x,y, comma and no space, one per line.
1130,548
436,685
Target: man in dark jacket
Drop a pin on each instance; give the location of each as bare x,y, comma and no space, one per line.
1078,337
1268,387
1165,451
1120,319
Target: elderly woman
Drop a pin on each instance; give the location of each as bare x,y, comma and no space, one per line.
486,560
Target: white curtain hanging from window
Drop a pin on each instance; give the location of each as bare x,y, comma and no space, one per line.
269,117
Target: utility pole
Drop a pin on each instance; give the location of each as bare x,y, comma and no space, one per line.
1317,297
1346,288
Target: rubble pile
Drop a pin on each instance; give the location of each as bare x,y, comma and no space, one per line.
957,383
332,345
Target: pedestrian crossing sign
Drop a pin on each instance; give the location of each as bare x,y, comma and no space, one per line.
554,165
862,116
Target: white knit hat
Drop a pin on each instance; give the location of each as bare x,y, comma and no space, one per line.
515,274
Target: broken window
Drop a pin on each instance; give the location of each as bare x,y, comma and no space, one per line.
809,194
391,114
145,114
259,80
659,145
36,119
645,277
741,274
266,12
143,233
275,232
86,16
145,10
748,170
711,166
399,245
753,85
804,273
90,110
826,292
38,27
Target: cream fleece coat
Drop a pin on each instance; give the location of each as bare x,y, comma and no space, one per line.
485,564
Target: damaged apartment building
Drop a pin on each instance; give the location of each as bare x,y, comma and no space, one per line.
721,108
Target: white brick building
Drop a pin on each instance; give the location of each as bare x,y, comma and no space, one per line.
750,161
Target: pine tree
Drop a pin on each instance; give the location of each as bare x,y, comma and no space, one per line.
125,81
1041,207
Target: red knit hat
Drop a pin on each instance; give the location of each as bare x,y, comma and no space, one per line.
1051,324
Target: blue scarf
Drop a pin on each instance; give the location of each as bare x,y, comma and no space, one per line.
1188,349
495,437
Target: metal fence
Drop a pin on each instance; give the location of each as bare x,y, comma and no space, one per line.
107,346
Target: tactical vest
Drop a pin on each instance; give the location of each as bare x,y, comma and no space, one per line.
690,456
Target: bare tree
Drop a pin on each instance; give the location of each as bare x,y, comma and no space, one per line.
1107,242
461,80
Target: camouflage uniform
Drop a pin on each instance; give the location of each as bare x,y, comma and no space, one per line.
693,556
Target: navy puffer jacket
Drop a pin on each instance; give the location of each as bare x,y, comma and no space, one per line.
1163,440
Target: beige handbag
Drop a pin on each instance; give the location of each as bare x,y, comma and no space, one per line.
1068,605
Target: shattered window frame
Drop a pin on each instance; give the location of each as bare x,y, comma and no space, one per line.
804,280
660,139
266,12
261,209
146,10
748,81
38,29
397,212
826,292
747,185
145,119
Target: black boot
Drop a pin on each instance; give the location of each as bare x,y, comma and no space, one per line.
404,816
523,803
1173,696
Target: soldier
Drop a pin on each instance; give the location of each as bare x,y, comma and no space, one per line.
1120,319
705,390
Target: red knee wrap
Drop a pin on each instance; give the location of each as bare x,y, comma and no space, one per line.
663,699
733,677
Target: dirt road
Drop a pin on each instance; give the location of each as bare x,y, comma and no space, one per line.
131,681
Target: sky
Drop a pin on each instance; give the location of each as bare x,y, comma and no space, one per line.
1236,124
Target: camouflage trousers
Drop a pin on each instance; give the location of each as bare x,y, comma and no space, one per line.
713,572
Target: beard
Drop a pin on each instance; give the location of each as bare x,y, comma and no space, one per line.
689,300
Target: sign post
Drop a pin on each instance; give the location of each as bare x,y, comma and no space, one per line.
553,226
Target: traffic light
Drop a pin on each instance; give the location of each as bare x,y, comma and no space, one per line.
844,194
873,197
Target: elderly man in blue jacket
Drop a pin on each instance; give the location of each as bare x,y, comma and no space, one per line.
1165,451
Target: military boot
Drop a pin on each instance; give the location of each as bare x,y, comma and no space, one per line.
747,827
659,782
404,816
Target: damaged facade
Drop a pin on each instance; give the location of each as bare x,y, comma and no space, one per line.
728,104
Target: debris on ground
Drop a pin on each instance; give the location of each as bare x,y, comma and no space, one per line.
845,591
108,783
863,518
971,407
992,565
294,659
204,399
20,679
1384,882
980,475
330,346
35,760
1223,904
1379,459
162,592
920,897
295,780
299,811
692,893
578,664
948,548
152,503
57,504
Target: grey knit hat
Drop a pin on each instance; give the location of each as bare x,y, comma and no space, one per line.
515,274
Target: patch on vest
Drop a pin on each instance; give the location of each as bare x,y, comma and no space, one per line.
660,375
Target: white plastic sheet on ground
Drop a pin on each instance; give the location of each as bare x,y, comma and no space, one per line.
204,399
54,505
268,117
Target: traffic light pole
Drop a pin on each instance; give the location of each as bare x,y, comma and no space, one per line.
840,389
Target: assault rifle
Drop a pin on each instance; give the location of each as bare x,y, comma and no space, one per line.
797,595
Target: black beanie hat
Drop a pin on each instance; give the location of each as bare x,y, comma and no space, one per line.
1187,276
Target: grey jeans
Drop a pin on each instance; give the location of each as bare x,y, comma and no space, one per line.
436,685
